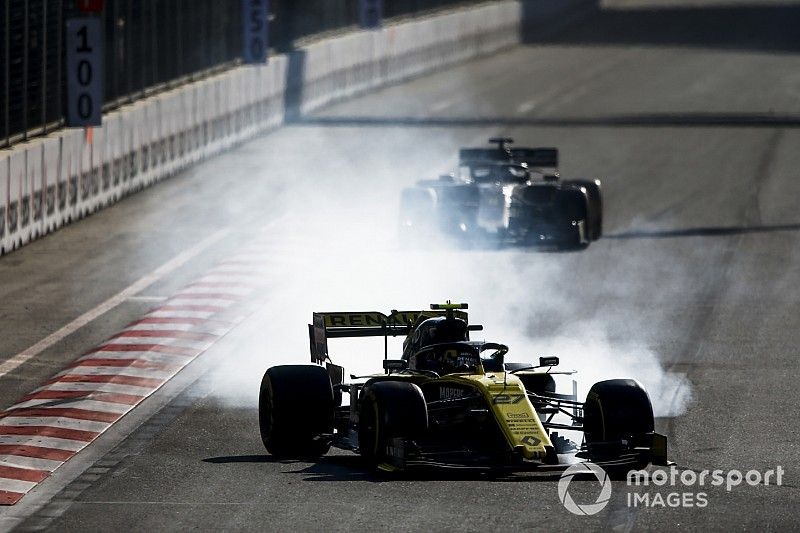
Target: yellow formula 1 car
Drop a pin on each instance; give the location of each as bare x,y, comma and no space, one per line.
450,402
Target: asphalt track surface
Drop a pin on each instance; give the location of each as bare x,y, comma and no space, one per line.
688,115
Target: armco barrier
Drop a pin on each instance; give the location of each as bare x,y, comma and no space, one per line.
54,180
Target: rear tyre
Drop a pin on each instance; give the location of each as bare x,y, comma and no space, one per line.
594,220
389,410
572,206
617,409
295,408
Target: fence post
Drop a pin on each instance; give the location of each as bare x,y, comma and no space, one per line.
44,68
7,74
60,63
154,41
179,35
25,38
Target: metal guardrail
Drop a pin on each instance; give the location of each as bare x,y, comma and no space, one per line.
150,45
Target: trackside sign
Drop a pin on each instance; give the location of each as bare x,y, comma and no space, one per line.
84,72
255,35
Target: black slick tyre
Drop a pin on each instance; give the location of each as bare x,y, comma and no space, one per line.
594,219
389,410
617,409
295,411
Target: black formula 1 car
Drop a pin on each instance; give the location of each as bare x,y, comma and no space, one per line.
450,402
504,195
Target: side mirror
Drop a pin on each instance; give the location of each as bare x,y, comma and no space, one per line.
395,364
548,361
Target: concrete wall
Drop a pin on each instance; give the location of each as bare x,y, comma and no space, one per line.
54,180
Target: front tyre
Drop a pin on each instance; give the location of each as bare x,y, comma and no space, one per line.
389,410
295,411
616,410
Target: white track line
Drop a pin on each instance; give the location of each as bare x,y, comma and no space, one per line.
13,485
116,371
44,442
189,344
206,328
96,387
89,405
57,421
31,463
136,287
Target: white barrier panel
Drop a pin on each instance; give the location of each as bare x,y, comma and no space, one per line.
112,151
229,97
66,188
163,131
16,190
217,126
144,138
131,163
184,125
102,163
235,97
4,201
169,117
196,134
148,125
35,175
204,107
51,164
84,174
26,179
275,79
131,119
251,115
213,107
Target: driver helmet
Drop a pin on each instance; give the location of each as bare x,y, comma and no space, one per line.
441,329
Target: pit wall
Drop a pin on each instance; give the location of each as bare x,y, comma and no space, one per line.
60,178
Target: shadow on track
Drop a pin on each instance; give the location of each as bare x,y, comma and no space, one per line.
757,27
703,232
327,468
228,459
681,120
351,468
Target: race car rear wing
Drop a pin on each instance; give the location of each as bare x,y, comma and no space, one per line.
533,157
326,326
536,157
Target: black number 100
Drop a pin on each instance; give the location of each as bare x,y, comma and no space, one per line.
85,104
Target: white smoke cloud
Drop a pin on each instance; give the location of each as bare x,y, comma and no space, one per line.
336,249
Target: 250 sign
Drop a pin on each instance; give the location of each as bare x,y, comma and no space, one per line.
84,72
255,16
